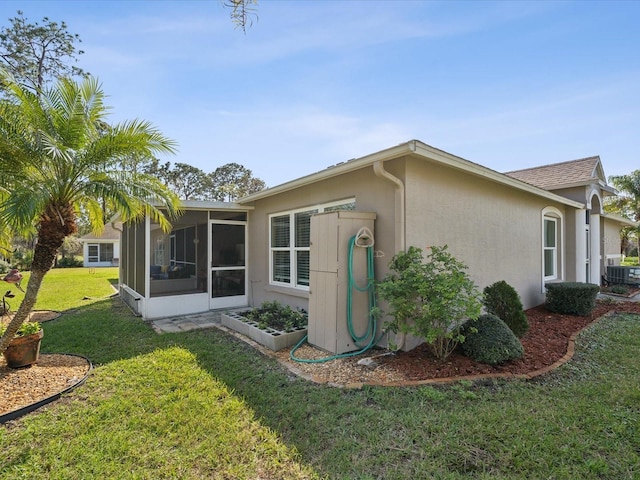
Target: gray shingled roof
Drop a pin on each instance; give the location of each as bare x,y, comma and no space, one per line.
109,233
558,175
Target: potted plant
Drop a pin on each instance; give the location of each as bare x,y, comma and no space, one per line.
24,349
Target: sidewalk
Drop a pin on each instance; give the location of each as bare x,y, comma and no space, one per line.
185,323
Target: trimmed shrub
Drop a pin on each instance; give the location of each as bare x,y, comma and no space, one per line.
489,340
502,300
69,262
572,298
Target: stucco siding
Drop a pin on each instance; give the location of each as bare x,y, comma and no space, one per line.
371,193
610,243
495,230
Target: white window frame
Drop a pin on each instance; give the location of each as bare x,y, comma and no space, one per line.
548,221
554,215
93,258
292,248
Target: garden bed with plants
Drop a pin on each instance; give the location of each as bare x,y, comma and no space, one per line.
272,325
545,342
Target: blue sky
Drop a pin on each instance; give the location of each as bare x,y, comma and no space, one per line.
507,85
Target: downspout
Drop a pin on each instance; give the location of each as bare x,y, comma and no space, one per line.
400,238
378,169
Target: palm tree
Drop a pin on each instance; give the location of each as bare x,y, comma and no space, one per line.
628,203
58,156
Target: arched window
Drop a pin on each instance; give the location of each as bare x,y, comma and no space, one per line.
551,244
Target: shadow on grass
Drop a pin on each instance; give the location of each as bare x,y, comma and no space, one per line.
460,431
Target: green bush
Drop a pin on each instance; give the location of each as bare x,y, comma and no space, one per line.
619,289
502,300
69,262
489,340
572,298
4,266
430,300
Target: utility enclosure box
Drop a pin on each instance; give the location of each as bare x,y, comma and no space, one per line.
329,280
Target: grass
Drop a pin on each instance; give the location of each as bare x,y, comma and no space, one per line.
67,288
203,405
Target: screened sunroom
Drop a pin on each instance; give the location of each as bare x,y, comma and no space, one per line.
200,265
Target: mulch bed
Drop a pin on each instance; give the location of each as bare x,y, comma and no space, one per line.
545,343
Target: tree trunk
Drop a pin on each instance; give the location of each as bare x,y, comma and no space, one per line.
43,256
30,297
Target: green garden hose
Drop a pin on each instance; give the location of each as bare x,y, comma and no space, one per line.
365,235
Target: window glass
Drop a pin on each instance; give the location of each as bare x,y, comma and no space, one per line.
550,248
281,267
302,267
93,253
280,231
549,263
290,242
303,228
106,252
549,233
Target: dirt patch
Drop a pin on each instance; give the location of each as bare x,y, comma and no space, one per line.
545,343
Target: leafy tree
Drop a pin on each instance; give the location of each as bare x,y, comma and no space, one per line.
36,53
61,160
189,182
233,181
627,203
431,300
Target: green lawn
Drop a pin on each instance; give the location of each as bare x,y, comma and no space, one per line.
204,405
66,288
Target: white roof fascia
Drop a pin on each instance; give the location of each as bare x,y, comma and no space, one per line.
620,219
423,150
209,205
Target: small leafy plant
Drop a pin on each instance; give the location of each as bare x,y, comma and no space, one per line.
277,316
27,328
432,299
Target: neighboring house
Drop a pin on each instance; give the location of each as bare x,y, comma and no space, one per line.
528,228
102,250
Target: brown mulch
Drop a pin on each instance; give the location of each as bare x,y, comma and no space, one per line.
545,343
52,374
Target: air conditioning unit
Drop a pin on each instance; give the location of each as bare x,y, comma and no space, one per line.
623,275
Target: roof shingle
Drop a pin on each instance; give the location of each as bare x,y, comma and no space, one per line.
558,175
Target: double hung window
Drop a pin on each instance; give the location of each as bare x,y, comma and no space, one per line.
550,248
289,243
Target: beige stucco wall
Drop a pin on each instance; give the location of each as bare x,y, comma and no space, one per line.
372,194
610,243
494,229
